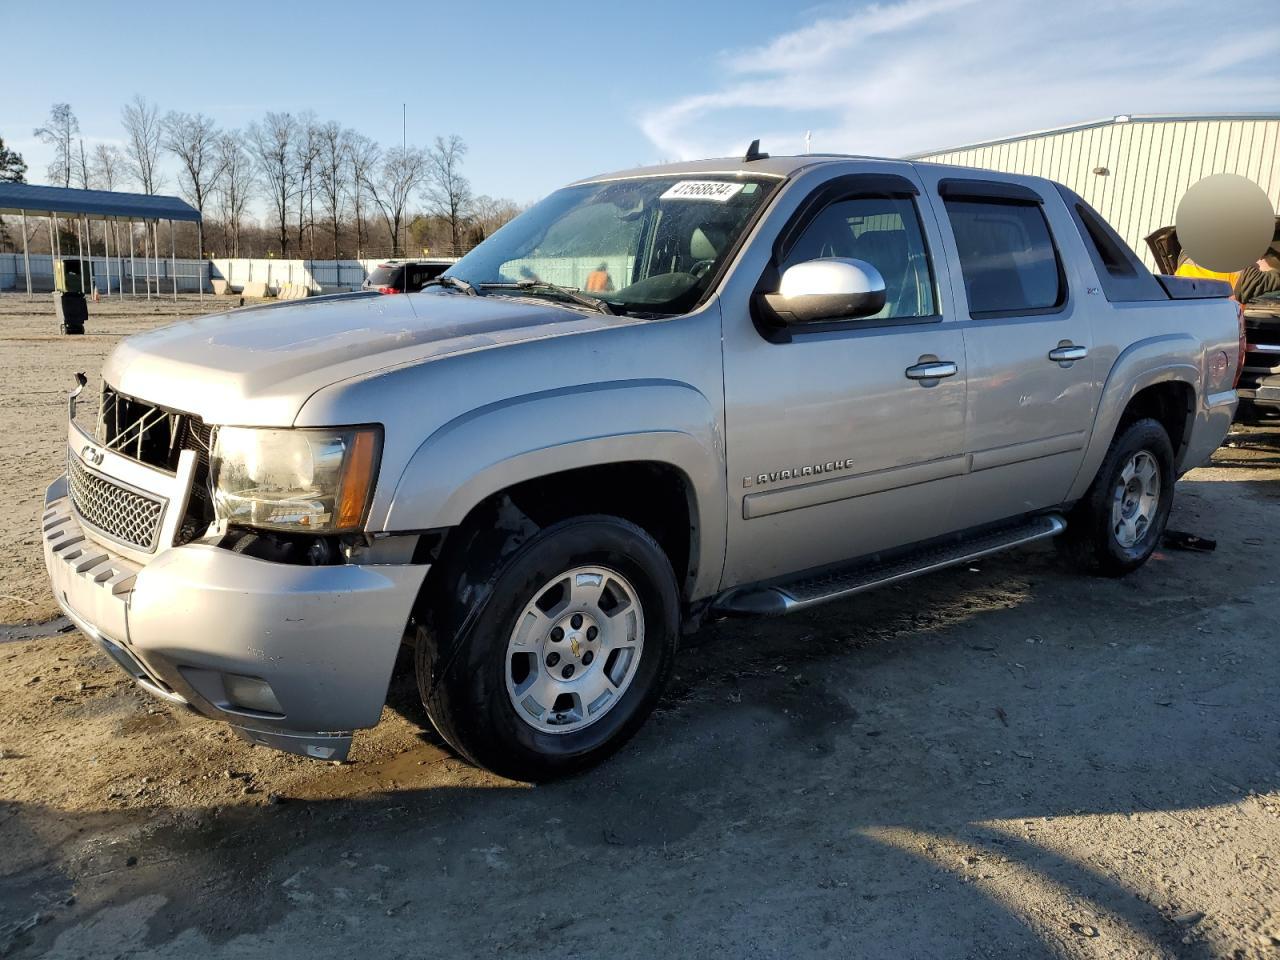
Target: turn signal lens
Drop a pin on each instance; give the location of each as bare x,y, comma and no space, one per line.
1244,345
357,480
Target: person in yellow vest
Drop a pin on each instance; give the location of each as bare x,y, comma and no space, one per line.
599,281
1254,280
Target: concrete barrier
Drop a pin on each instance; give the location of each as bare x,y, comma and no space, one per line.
257,290
222,288
293,291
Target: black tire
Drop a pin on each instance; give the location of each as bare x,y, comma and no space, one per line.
465,692
1089,540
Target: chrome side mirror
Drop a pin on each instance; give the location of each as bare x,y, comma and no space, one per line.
833,288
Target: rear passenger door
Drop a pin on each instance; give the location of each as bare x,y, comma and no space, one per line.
1027,335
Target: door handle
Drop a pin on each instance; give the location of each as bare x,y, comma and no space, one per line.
932,370
1067,353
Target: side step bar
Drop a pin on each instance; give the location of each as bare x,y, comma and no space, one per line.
808,591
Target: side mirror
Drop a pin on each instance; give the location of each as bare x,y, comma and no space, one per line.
833,288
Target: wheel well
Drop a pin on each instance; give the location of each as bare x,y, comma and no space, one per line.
1171,404
656,497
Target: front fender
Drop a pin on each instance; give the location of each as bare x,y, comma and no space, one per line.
496,446
1142,364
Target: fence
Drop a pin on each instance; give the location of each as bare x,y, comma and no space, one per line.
110,276
319,275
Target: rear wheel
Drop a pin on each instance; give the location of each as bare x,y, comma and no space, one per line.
1118,524
566,656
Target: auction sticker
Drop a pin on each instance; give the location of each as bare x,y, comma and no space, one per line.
717,191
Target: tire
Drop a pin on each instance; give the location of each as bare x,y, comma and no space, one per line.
1093,540
473,695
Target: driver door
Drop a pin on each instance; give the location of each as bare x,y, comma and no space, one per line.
836,447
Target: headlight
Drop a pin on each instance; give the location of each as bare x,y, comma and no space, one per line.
315,481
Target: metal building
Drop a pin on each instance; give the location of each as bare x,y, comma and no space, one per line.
1134,169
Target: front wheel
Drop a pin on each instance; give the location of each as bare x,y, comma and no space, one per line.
1116,527
568,654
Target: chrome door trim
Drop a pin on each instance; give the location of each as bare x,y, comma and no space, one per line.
1029,450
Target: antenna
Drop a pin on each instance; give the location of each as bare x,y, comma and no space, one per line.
808,141
753,153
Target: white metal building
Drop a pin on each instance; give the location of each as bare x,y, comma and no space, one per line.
1134,169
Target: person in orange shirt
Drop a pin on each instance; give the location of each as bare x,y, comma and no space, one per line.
599,281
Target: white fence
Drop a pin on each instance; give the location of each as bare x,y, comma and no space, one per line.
321,276
318,275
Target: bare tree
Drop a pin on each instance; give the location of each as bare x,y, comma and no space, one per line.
306,149
194,140
273,144
234,190
401,174
448,191
144,135
59,132
363,157
80,169
332,167
107,167
488,214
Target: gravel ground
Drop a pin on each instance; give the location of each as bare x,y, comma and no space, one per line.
1006,760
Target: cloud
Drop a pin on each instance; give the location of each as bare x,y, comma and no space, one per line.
894,78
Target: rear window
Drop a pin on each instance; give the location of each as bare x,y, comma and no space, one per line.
385,275
1007,256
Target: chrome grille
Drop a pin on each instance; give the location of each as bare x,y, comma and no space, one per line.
124,515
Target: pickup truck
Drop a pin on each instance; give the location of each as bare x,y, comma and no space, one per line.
716,388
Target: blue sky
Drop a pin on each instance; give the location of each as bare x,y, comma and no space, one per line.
547,92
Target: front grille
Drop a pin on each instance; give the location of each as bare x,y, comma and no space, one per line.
150,434
157,436
124,515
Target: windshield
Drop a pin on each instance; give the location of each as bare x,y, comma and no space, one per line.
651,245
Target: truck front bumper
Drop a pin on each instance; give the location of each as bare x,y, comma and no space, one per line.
293,657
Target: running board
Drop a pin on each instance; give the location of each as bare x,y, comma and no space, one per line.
793,595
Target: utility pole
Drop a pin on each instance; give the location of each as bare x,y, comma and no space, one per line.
404,149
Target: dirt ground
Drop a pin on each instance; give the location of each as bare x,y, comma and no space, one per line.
1006,760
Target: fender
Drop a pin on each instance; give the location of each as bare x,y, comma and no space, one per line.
495,446
1140,365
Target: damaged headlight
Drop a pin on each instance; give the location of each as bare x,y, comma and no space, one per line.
314,481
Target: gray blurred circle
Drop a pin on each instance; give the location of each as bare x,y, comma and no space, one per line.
1225,222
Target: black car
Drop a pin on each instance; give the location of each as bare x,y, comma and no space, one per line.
405,276
1259,386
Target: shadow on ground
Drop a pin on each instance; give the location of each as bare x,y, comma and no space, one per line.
1002,760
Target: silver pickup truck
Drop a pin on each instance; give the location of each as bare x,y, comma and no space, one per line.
717,388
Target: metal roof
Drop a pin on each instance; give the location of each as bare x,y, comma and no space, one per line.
99,204
1105,122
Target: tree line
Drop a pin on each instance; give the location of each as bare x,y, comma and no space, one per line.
327,190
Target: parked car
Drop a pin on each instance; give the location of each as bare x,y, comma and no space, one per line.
405,276
1259,383
796,378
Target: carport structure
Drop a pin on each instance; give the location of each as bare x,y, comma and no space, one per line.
64,204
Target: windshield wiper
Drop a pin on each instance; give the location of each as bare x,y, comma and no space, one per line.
569,293
455,283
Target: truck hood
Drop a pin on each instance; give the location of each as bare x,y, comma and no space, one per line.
258,366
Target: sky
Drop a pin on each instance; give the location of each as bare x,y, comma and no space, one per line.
547,92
